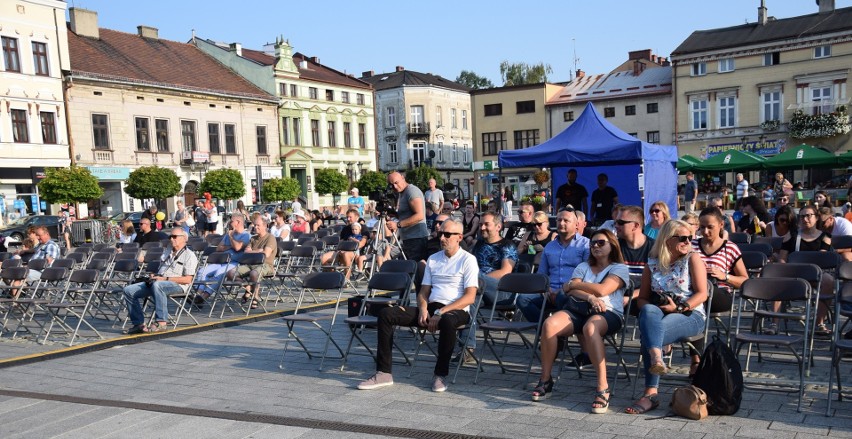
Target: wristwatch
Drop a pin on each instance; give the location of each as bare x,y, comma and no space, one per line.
437,313
680,308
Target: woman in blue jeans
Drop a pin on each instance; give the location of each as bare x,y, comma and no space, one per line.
671,303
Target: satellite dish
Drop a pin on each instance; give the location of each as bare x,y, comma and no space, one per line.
431,154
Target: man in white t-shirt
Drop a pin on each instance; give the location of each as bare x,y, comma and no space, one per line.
450,281
742,187
433,194
835,226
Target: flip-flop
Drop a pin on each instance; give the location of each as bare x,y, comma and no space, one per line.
637,409
254,304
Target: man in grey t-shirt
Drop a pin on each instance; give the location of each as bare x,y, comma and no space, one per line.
412,218
433,194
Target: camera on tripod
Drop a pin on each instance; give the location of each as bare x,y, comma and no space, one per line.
385,200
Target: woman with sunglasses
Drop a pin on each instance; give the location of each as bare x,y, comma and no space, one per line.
598,286
671,304
659,213
535,239
784,224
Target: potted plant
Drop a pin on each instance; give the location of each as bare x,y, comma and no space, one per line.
770,125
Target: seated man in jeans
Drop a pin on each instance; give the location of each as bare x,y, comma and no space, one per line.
174,276
262,242
449,289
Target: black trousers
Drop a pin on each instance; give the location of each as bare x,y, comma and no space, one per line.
407,316
415,249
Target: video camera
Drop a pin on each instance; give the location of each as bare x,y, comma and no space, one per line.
386,200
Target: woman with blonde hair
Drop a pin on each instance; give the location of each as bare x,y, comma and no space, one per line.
534,240
127,233
659,214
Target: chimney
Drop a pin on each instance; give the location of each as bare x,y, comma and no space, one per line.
826,6
148,32
84,22
761,13
367,74
665,62
237,48
638,67
580,73
639,54
314,59
400,68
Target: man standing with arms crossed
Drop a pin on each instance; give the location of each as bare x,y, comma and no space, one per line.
433,194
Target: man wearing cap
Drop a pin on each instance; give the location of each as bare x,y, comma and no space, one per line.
356,202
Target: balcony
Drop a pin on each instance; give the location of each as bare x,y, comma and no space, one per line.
419,129
828,124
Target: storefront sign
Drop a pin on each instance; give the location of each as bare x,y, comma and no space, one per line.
109,173
37,173
765,148
271,173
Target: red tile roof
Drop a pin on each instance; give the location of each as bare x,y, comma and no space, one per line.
125,56
314,71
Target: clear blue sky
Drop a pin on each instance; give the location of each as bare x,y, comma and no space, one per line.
445,37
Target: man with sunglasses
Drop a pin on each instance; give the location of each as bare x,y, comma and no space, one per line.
147,233
635,245
174,276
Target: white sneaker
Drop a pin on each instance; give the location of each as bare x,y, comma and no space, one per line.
380,379
440,384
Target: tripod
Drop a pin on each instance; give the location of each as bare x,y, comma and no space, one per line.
375,243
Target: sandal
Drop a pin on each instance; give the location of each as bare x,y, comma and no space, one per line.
158,327
638,409
822,331
543,390
771,329
254,304
658,367
601,402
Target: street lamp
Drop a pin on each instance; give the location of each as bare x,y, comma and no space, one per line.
201,167
349,170
283,162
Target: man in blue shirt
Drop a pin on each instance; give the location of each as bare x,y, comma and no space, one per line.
356,202
234,243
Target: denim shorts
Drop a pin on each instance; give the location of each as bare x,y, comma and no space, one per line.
613,321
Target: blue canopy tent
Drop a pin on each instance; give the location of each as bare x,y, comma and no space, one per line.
594,146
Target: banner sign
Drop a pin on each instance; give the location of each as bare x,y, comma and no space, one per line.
766,148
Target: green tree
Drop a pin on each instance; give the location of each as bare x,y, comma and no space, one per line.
474,81
224,184
372,181
331,182
280,189
152,182
69,185
420,176
523,73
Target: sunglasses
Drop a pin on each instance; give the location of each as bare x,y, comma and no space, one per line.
598,242
175,236
654,211
624,222
538,224
682,238
448,234
439,222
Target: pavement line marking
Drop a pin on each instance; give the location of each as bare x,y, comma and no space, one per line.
244,416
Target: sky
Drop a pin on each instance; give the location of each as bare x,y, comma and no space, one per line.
445,37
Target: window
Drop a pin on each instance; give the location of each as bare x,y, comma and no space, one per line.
344,97
653,137
230,139
440,149
40,59
698,113
525,107
315,132
213,138
313,92
392,153
416,117
493,142
418,153
359,98
187,134
727,111
48,127
653,107
10,54
391,117
260,130
526,138
143,134
453,118
609,111
821,97
629,110
347,134
493,109
20,132
633,135
161,126
332,134
699,69
726,65
464,154
772,59
362,135
822,51
100,131
297,131
770,101
282,89
568,116
294,90
455,152
329,95
464,119
439,118
285,130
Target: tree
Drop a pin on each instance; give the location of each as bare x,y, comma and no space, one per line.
69,185
474,81
152,182
332,182
281,189
420,176
372,181
224,184
523,73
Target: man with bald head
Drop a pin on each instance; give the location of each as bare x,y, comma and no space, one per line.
411,209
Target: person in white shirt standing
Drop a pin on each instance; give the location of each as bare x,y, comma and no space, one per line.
742,187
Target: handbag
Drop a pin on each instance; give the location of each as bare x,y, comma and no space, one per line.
689,402
580,308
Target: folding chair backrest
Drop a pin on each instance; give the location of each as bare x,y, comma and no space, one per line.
37,264
83,276
210,249
347,246
774,241
107,249
213,237
198,245
14,273
775,289
152,257
319,245
762,247
78,258
323,233
54,274
125,256
129,246
97,264
286,246
295,235
102,256
845,271
523,283
845,295
125,266
9,263
150,245
63,263
809,272
739,237
303,239
841,242
327,280
330,241
302,251
219,258
406,266
394,282
84,250
252,258
101,246
152,267
5,255
828,261
418,276
754,261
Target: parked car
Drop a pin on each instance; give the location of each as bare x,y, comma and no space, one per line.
263,208
134,217
17,230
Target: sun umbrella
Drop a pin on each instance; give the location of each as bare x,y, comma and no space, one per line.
845,158
732,160
802,156
687,163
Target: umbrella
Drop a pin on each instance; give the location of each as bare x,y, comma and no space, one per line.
687,163
803,156
845,158
732,160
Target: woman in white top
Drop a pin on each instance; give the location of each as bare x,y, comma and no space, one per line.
280,229
127,233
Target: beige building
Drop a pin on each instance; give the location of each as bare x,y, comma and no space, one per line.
741,87
424,119
136,100
33,133
325,119
507,118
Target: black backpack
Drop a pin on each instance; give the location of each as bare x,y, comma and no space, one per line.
721,377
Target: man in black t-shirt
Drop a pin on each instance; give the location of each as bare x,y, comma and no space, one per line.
572,193
635,246
603,199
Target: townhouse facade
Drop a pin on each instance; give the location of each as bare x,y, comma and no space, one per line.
766,86
137,100
424,119
33,130
325,117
